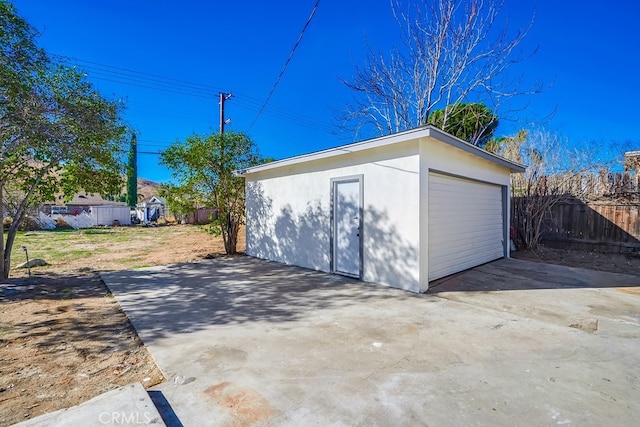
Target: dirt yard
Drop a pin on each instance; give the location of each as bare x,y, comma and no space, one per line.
63,337
613,263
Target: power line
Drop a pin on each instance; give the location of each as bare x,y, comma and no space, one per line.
240,101
154,87
300,120
170,113
125,76
153,145
153,140
150,76
266,101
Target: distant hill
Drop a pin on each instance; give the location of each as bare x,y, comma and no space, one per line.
146,189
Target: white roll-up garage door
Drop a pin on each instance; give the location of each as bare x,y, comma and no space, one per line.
466,225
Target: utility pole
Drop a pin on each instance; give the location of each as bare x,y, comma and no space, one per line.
223,97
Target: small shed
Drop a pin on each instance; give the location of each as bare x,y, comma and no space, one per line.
400,210
110,215
151,210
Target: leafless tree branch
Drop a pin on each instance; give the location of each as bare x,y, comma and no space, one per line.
450,52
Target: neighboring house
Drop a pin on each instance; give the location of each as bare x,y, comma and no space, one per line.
151,210
399,210
102,212
79,203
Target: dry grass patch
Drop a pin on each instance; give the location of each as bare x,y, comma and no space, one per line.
63,337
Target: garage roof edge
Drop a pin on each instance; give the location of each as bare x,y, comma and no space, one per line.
421,132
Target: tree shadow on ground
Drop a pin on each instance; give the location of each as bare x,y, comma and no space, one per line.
185,298
72,318
302,237
52,286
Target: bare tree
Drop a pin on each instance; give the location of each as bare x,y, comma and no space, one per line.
452,52
557,172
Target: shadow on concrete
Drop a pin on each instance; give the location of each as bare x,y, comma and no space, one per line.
164,408
183,298
513,274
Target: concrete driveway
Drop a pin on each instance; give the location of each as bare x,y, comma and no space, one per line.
249,342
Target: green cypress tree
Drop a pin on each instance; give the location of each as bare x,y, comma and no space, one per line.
132,173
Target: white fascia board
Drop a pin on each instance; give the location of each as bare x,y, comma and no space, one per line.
417,133
442,136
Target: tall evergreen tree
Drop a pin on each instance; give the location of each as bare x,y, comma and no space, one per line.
132,173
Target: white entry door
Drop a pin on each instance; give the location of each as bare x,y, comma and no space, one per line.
347,226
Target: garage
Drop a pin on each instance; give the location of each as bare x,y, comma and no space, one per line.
399,210
466,224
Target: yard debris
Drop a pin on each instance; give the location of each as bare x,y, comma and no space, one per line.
211,256
587,325
82,220
35,262
46,222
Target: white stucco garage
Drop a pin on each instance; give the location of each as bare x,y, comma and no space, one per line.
399,210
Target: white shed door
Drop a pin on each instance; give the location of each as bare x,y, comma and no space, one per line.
347,222
466,224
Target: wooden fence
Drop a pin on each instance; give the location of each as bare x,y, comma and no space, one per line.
604,226
202,216
593,211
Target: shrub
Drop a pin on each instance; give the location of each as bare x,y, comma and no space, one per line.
62,224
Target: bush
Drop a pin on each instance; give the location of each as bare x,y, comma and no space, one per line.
29,224
62,224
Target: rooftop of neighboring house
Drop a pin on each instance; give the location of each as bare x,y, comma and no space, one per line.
89,199
154,200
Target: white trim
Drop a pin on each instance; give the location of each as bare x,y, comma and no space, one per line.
417,133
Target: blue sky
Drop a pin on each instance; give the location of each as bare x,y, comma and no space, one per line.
588,50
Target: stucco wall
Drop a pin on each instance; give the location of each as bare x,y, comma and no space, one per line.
289,218
288,213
